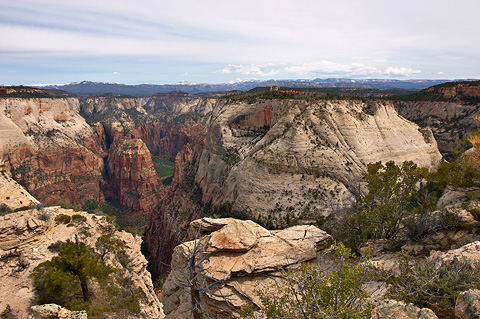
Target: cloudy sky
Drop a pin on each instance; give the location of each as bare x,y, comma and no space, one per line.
216,41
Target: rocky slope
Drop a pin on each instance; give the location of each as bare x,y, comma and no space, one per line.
26,239
449,110
50,149
286,159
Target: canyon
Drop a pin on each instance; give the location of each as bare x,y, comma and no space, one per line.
278,157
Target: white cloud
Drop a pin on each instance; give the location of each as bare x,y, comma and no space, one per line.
441,73
329,67
248,69
401,71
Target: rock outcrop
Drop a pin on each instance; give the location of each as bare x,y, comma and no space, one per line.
50,149
12,195
449,110
236,258
133,178
27,238
278,159
450,122
56,311
399,310
468,305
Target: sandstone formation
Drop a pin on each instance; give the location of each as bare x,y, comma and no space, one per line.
132,176
293,159
449,121
236,258
25,239
12,195
449,110
468,305
50,149
399,310
56,311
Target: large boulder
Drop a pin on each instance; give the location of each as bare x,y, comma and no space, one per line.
232,262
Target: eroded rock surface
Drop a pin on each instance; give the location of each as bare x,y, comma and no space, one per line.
132,175
27,238
468,305
237,257
56,311
275,158
399,310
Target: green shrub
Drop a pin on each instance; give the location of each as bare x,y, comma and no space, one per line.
90,206
380,212
62,219
55,247
7,313
313,292
77,218
432,284
4,209
421,225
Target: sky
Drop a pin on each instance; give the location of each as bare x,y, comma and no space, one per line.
223,41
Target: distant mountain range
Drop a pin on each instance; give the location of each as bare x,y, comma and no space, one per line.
98,88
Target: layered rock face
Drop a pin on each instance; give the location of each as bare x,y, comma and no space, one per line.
279,158
25,238
50,149
133,178
236,258
450,112
449,121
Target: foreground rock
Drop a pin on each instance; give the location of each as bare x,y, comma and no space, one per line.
468,305
236,258
29,237
399,310
56,311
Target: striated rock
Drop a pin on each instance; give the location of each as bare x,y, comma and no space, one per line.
399,310
56,311
275,158
468,305
236,258
132,175
49,148
449,121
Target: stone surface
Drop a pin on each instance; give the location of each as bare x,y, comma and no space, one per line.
50,148
24,241
451,120
275,158
56,311
237,257
399,310
469,253
132,175
468,305
12,194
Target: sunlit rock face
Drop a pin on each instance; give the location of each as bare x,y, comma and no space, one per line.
278,158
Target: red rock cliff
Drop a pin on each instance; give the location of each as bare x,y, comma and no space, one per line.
133,178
